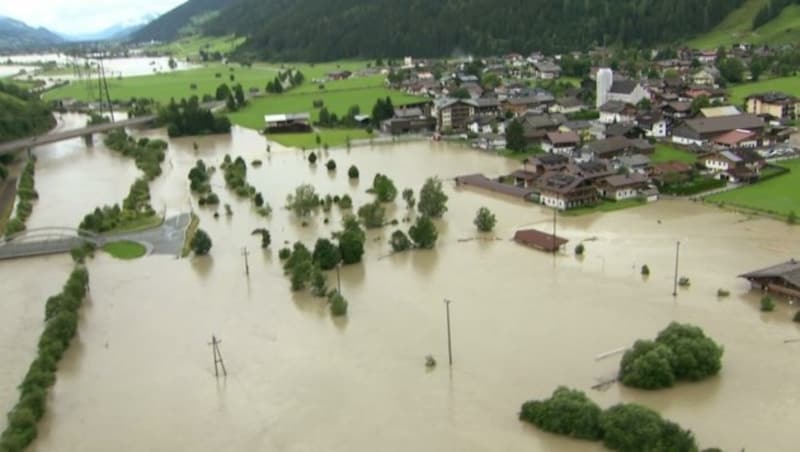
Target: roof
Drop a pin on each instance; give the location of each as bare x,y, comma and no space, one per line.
569,102
547,160
722,124
446,102
287,117
578,124
484,102
726,110
563,138
539,240
625,180
789,271
623,86
680,106
481,181
734,137
613,106
613,144
620,129
773,97
671,167
412,112
546,66
634,160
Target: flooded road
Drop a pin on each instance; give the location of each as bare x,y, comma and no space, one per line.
140,374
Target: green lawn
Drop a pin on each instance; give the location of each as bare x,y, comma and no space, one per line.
780,195
125,250
788,85
191,46
667,153
331,137
140,224
605,206
736,28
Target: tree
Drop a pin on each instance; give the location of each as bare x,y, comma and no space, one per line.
239,95
223,92
644,104
408,197
331,165
230,103
485,220
399,241
201,243
767,305
460,93
319,283
757,67
312,158
172,63
432,200
384,188
580,249
266,238
326,255
304,200
732,70
351,241
423,232
491,81
632,428
352,173
338,304
695,356
566,412
698,103
515,136
647,366
372,214
346,202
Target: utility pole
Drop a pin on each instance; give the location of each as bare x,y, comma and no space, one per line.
105,84
246,253
449,341
217,357
677,256
555,214
339,278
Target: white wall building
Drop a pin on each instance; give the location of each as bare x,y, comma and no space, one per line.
605,78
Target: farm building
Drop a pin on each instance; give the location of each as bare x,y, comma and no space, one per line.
539,240
288,122
782,279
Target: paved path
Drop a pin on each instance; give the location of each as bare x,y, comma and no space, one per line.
166,239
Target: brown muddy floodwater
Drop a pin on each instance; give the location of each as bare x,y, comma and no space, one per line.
140,374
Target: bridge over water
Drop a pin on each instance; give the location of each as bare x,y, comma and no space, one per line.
43,241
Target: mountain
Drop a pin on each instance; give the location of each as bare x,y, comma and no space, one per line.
167,26
22,114
115,32
16,35
770,22
319,30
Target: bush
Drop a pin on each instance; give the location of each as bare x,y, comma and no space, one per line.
352,173
579,249
423,233
346,202
326,255
634,428
432,200
284,254
400,241
767,305
201,243
647,366
484,219
384,188
566,412
331,165
372,214
645,270
312,158
338,305
351,241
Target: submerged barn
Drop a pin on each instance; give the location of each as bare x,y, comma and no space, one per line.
783,279
539,240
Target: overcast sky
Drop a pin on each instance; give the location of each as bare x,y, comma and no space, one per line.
82,16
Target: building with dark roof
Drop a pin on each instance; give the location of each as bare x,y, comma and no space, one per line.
539,240
782,279
773,104
627,91
701,130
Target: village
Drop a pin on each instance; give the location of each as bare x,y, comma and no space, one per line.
609,137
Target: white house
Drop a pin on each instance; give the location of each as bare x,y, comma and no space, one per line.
654,124
562,143
615,111
623,186
627,91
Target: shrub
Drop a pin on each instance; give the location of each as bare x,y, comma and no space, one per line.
484,219
399,241
201,243
579,249
423,232
647,366
312,158
331,165
566,412
326,255
432,200
319,284
352,173
645,270
351,241
384,188
372,214
284,253
338,305
767,305
346,202
634,428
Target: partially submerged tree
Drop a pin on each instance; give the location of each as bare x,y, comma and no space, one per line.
432,200
303,201
424,233
485,220
201,243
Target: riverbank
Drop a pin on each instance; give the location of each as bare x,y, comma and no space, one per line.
8,193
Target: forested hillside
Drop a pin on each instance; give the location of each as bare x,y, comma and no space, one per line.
15,35
21,114
332,29
167,26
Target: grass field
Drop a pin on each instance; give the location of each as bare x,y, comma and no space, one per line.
788,85
780,195
667,153
140,224
125,250
190,47
732,29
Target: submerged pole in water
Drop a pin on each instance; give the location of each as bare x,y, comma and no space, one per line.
217,357
449,342
677,256
246,253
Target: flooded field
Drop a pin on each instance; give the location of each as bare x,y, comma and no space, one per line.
140,374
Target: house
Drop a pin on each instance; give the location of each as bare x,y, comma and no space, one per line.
491,142
701,130
487,107
738,138
654,124
587,130
714,95
627,91
624,129
781,279
453,114
617,111
288,122
483,125
539,240
536,127
741,165
774,104
409,120
567,105
546,163
339,75
706,76
715,112
617,146
636,163
520,105
560,142
620,187
547,70
474,89
706,56
564,191
677,110
670,171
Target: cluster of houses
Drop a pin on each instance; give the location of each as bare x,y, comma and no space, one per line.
608,154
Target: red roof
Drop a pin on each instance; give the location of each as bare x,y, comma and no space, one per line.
539,240
734,137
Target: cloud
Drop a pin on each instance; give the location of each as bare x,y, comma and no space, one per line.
82,16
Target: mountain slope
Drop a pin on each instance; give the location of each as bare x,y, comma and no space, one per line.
737,27
167,26
333,29
16,35
22,115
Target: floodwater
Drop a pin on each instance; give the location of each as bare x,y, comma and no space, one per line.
140,374
114,67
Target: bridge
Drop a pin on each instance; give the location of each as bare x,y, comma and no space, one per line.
86,132
44,241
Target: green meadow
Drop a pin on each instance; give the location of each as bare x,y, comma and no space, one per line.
779,195
788,85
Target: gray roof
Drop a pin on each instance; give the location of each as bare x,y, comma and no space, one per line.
412,112
623,87
547,66
789,271
613,106
578,124
634,160
623,180
569,102
722,124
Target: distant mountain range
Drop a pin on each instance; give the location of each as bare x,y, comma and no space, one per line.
168,26
115,32
16,35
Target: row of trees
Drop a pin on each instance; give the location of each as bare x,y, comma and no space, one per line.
623,427
61,324
27,194
681,352
200,183
135,207
187,117
148,154
235,172
328,119
285,80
